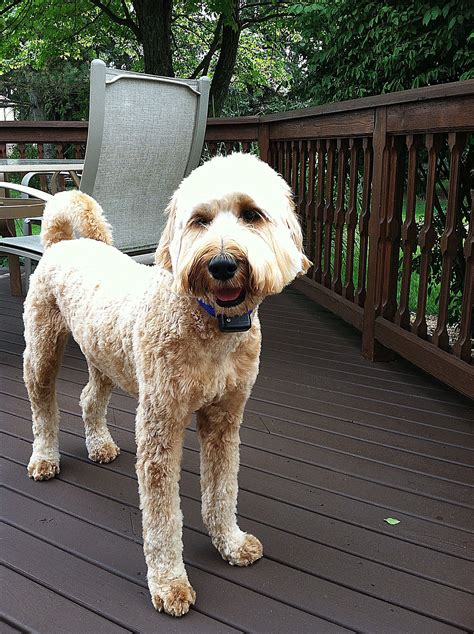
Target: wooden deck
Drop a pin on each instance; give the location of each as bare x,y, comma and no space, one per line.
331,446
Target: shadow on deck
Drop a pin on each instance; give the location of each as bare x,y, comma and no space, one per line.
331,446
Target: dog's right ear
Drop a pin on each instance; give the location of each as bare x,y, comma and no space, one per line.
163,255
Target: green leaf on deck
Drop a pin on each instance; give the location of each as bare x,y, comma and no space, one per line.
392,521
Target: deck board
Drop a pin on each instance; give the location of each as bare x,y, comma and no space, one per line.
331,445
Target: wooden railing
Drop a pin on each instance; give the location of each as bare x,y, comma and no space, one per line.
383,189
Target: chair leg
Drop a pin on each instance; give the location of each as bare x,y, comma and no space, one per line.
15,275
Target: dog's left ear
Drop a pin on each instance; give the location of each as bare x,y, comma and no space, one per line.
163,255
296,235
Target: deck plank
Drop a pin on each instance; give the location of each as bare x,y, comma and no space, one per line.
41,609
331,445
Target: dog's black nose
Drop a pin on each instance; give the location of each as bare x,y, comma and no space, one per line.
222,267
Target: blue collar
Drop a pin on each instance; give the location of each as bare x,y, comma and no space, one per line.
209,309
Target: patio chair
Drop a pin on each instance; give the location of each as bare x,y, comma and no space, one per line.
145,135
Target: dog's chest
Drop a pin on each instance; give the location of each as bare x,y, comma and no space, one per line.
216,371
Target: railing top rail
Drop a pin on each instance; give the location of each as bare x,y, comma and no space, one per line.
44,124
253,119
453,89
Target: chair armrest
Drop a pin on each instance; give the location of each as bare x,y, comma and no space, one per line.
36,193
55,174
14,208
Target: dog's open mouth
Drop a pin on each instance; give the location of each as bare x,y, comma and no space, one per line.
228,297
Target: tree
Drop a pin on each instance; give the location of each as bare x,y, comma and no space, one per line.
150,31
354,49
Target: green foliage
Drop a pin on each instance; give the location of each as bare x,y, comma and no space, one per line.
355,49
45,51
39,33
58,92
40,39
263,72
291,54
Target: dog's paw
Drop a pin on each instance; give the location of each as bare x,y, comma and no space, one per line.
104,452
42,469
174,599
249,550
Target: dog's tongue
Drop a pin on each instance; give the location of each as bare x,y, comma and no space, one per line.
228,295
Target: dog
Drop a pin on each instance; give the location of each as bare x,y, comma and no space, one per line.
181,336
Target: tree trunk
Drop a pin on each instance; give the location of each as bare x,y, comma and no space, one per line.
154,23
225,64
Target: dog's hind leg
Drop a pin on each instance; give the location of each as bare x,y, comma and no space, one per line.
46,334
94,400
218,429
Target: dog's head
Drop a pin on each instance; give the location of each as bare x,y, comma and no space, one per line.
232,236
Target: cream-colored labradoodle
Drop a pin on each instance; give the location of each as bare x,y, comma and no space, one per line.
231,239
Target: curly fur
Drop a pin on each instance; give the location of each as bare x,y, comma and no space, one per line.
142,329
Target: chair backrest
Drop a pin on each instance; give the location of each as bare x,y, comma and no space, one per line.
145,134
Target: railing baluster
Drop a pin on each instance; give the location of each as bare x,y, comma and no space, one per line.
274,155
281,157
271,155
364,223
294,167
287,166
402,318
318,244
328,213
351,220
301,179
449,239
427,237
462,347
391,244
310,208
21,150
340,215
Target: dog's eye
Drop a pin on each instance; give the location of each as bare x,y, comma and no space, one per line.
250,215
201,221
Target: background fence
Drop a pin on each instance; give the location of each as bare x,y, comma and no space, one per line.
383,188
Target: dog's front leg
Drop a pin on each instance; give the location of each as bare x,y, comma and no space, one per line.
159,447
218,428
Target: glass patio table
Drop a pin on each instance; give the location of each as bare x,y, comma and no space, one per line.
31,167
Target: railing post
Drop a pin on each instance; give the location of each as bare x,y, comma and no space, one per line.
371,349
264,141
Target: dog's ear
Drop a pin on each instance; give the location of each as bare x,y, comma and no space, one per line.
163,255
296,234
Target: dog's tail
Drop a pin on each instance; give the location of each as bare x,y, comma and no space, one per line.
74,211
